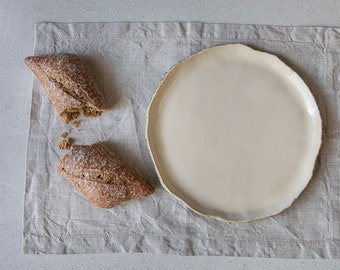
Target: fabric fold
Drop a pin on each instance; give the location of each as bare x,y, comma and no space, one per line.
128,60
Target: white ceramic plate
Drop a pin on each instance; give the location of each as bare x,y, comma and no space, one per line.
234,133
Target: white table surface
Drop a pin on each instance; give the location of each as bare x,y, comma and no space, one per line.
17,19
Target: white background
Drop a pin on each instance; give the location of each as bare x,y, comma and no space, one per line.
17,19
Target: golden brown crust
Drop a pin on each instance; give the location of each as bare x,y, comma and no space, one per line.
101,176
69,85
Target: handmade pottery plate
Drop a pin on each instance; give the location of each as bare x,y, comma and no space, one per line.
234,133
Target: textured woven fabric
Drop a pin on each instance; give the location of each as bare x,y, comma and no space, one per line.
128,61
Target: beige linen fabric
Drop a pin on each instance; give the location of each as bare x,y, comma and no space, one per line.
128,61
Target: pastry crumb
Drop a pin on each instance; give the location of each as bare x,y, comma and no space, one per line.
63,135
65,144
75,123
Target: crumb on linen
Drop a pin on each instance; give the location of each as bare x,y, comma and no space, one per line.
63,135
65,144
75,123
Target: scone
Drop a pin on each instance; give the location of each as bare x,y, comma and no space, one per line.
101,176
69,84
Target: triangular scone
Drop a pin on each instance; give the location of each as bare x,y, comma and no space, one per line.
101,176
69,85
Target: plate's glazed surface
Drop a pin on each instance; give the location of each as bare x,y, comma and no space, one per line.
234,133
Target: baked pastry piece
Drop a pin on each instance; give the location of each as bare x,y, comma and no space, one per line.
101,176
69,85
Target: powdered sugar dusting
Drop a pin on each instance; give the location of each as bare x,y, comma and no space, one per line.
69,85
101,176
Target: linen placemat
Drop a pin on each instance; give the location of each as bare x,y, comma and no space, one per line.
128,60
